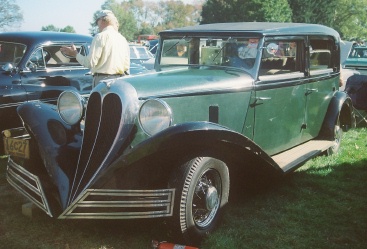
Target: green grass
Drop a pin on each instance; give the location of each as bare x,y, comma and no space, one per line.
321,205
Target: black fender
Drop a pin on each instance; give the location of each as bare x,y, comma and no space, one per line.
150,163
340,106
58,144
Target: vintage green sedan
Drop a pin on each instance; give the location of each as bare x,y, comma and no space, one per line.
226,102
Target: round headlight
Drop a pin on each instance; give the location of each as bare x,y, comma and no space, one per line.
154,116
70,106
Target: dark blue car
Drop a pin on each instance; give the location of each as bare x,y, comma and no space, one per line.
32,68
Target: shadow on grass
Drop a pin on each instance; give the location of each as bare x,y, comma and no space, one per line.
316,207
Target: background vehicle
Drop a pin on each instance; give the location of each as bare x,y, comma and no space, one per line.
32,68
141,55
174,143
357,59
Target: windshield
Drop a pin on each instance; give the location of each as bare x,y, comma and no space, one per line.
11,53
210,51
137,52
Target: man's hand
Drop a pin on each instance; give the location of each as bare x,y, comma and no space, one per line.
70,51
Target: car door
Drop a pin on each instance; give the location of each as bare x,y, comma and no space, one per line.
48,73
12,93
280,100
323,81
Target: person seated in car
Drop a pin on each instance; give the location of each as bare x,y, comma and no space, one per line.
181,50
246,54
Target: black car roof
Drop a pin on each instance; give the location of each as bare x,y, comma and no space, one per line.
32,37
258,28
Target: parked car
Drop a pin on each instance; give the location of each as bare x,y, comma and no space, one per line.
140,55
177,142
32,68
357,59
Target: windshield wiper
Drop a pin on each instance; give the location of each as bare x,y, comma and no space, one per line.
221,49
174,45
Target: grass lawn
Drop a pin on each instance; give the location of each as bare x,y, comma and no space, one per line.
321,205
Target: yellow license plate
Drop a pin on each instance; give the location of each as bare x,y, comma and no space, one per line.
18,147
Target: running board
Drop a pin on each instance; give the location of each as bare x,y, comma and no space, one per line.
296,156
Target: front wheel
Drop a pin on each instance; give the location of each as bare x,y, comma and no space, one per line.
202,190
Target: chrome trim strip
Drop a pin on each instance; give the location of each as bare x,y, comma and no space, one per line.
8,105
27,183
121,204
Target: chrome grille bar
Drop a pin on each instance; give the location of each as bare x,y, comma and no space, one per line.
95,152
27,184
121,204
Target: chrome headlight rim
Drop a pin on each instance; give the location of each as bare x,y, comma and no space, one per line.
165,125
71,106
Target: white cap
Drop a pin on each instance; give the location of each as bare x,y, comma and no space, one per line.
103,13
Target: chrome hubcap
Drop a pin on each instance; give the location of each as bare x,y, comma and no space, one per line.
206,199
212,198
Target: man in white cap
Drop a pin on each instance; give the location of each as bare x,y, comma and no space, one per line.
109,55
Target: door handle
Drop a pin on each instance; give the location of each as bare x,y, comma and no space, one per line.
259,101
311,90
262,98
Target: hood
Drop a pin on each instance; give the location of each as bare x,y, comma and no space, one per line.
183,81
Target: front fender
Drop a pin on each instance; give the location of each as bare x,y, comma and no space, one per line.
58,144
152,161
340,106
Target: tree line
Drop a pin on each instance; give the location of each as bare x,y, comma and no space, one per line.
138,17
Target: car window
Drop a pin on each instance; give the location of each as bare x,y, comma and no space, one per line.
280,57
320,55
217,51
51,57
37,59
11,52
54,57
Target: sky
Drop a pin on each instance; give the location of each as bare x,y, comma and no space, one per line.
61,13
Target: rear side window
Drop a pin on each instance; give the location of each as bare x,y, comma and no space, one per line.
321,54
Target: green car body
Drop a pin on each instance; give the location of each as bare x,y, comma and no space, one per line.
226,102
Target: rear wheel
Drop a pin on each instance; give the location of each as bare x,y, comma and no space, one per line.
202,189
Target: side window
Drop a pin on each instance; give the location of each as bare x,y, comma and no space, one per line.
321,54
280,57
55,58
